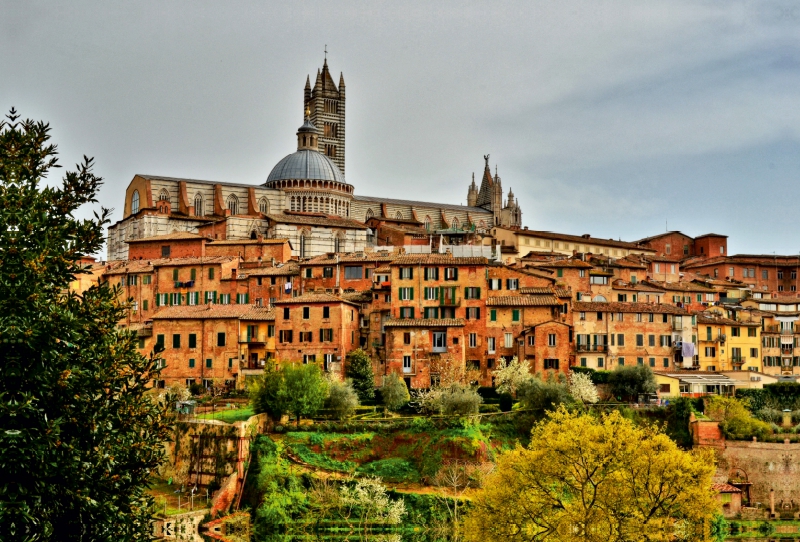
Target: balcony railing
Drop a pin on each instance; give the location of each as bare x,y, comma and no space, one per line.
253,339
450,302
592,347
737,360
785,331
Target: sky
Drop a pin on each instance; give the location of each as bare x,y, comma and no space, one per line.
620,119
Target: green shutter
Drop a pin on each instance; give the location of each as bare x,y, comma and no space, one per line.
215,296
321,335
247,298
478,290
411,293
158,300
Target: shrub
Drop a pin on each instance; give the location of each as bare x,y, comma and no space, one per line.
342,399
745,428
769,415
630,382
541,397
506,402
460,400
394,392
359,370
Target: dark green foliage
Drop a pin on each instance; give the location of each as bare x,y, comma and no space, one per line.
359,370
489,394
506,402
300,390
756,398
598,376
540,397
678,413
393,470
460,400
627,383
80,437
342,399
268,393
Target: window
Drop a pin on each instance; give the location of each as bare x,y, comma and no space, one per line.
582,274
286,313
405,294
473,340
326,312
493,315
651,340
439,341
620,339
652,362
515,315
306,336
495,284
621,362
406,364
551,339
754,352
508,341
327,272
135,202
582,315
145,304
271,330
406,312
431,293
639,340
512,284
430,312
306,313
450,273
473,313
353,272
622,298
599,316
583,362
472,293
531,340
242,299
406,272
598,279
233,204
764,274
431,273
209,364
285,336
224,299
735,332
551,363
175,299
221,339
159,342
490,345
176,341
191,363
639,361
710,351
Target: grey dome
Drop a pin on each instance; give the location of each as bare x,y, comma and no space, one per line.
306,164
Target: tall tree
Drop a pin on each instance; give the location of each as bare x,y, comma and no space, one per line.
306,389
585,479
79,436
359,370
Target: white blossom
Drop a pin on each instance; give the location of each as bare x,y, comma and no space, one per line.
582,388
510,375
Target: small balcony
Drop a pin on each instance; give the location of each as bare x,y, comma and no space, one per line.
772,329
450,302
255,339
737,360
788,331
592,348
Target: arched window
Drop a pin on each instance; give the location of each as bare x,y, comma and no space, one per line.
163,195
455,224
302,244
370,214
263,206
428,223
198,205
135,202
233,204
599,299
398,215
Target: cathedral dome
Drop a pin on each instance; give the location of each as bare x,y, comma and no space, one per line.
306,164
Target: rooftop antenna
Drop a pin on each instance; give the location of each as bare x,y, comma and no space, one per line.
326,52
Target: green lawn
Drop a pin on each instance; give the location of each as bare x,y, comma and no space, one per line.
229,416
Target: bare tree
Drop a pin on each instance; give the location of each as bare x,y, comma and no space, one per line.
457,476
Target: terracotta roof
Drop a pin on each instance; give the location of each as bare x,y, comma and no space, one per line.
581,239
317,220
725,488
358,297
523,301
162,178
211,311
394,220
536,291
711,235
638,287
264,314
783,300
174,236
704,318
349,257
562,292
382,269
679,286
595,306
438,259
660,235
147,266
564,264
312,298
424,322
132,266
249,242
283,270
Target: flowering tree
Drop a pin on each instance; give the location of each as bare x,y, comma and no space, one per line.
510,375
582,388
369,499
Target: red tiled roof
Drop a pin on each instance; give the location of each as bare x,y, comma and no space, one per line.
438,259
536,291
317,220
350,257
249,242
564,264
705,318
596,306
290,268
679,286
211,311
725,488
581,239
523,301
424,322
174,236
312,298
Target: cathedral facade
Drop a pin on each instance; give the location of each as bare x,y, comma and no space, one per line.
305,198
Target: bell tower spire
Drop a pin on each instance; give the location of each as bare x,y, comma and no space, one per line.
326,105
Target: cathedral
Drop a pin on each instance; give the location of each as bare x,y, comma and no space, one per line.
305,198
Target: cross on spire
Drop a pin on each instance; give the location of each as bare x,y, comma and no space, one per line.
326,52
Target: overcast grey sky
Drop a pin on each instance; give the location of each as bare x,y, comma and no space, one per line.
606,117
